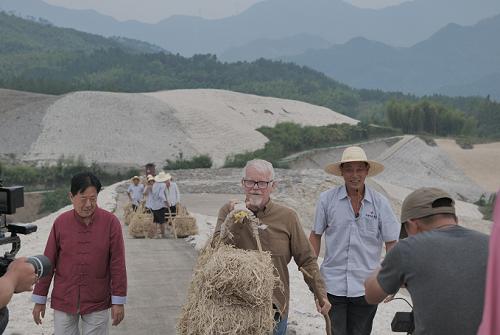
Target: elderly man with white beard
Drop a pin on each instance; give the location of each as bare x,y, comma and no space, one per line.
283,237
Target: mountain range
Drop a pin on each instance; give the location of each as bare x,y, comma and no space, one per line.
332,20
456,60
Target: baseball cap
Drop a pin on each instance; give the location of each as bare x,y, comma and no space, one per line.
424,202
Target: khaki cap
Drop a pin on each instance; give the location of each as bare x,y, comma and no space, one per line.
421,203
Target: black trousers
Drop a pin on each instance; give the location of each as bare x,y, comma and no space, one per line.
351,316
4,319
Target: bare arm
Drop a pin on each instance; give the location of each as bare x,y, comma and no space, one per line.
374,293
315,240
389,245
20,277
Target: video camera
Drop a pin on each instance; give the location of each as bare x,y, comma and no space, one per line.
12,198
403,322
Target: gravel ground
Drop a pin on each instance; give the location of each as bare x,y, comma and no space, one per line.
480,163
412,163
21,115
110,128
223,122
133,129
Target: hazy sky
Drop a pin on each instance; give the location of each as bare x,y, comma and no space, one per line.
156,10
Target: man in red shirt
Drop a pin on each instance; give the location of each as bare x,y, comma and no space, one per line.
87,251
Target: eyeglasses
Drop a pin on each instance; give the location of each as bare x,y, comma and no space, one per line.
260,184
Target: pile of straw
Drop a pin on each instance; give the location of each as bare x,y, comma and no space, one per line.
230,293
184,223
140,225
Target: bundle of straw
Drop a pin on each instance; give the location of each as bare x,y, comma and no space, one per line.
230,293
139,224
184,223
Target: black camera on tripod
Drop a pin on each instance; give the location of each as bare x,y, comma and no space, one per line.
12,198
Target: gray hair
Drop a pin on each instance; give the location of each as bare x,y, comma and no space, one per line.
260,165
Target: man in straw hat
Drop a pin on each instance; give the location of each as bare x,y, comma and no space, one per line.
135,192
159,201
356,221
442,264
283,237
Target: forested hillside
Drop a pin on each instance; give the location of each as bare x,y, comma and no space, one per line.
38,57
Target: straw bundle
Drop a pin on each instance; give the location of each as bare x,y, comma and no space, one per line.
140,223
230,293
184,223
150,228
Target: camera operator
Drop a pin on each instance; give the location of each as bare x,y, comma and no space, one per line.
442,264
20,277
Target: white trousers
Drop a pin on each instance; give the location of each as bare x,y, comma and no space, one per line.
96,323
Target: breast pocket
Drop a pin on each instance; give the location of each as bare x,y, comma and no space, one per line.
368,228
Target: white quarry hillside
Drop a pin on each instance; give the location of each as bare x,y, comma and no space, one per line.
136,128
409,163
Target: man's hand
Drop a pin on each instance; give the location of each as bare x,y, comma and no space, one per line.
23,275
117,314
389,298
38,313
325,308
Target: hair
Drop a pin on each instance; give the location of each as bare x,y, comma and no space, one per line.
83,180
260,165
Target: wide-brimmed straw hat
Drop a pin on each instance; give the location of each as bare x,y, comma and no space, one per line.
135,177
162,176
354,154
150,177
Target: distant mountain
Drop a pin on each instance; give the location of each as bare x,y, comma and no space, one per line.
332,20
455,60
24,36
274,48
489,85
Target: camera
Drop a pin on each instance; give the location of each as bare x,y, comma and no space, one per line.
403,323
12,198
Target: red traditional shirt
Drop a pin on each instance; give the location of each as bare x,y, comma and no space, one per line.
88,264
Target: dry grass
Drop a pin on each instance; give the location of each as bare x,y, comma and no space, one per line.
141,225
185,224
231,293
